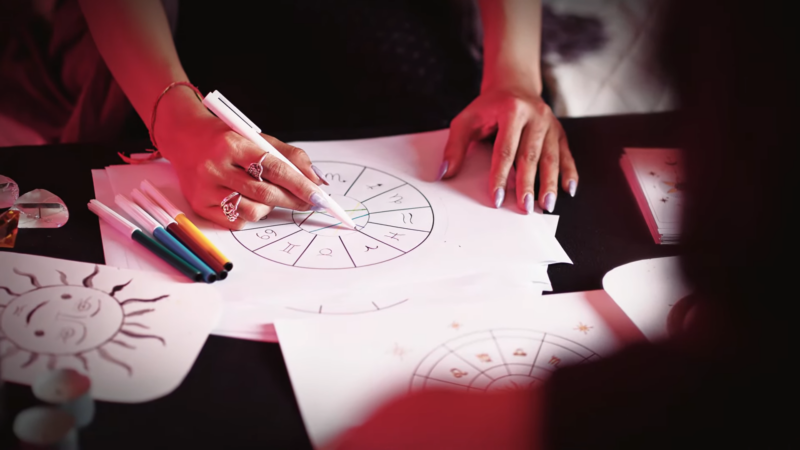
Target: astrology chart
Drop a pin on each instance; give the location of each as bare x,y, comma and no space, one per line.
392,218
499,359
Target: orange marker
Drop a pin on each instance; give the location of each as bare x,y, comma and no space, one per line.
188,227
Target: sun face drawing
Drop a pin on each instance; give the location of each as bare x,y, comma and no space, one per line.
497,360
70,321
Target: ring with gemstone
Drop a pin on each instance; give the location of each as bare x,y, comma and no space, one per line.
255,169
229,207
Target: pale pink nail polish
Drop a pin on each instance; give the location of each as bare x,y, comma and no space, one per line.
442,170
573,187
528,200
550,202
499,196
319,174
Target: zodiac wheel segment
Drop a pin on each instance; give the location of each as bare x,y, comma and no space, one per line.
500,359
392,218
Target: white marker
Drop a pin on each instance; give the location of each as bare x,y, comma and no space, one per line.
239,123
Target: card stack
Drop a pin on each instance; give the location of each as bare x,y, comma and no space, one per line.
656,177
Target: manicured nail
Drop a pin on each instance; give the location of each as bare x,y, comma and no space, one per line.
573,186
319,174
442,170
499,195
316,209
550,202
528,200
319,201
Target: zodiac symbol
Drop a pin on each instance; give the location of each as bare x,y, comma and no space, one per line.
394,235
554,361
289,248
520,352
84,305
410,218
484,357
331,176
267,234
398,201
370,248
325,252
457,373
18,310
373,187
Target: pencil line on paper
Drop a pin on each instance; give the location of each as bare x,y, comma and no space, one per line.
354,181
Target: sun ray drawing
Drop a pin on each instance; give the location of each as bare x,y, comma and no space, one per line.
50,324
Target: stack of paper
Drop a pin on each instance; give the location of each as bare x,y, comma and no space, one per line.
417,239
657,180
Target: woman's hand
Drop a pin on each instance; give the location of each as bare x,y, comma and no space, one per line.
528,135
211,161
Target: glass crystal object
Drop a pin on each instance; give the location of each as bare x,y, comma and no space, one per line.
41,209
9,191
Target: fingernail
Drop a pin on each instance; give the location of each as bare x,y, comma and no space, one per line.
550,202
499,195
316,209
528,199
319,174
319,201
442,170
573,186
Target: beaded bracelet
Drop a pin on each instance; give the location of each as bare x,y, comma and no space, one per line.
155,153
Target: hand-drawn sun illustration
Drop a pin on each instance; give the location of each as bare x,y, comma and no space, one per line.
70,321
497,360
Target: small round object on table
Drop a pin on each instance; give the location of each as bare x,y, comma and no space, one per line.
45,427
70,390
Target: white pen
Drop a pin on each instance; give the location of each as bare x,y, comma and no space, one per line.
239,123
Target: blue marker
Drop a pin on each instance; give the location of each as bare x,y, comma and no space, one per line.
166,239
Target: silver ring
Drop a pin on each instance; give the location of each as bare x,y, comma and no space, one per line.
229,207
256,169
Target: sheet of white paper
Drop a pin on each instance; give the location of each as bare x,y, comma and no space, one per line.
343,368
135,334
646,291
452,237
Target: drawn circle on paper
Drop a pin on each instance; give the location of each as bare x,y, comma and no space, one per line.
497,360
392,219
324,224
61,320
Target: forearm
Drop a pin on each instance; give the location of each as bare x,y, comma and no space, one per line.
134,39
512,32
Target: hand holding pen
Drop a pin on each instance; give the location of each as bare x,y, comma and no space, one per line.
211,161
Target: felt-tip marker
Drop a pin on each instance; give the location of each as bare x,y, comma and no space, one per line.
130,230
161,235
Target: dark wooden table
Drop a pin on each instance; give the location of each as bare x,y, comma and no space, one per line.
238,394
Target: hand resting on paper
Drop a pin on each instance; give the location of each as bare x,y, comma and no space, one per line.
528,134
510,104
211,161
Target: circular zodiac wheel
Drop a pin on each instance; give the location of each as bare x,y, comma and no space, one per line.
392,218
503,359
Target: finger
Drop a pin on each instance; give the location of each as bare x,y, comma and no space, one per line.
503,154
569,171
264,192
209,206
527,164
548,170
463,130
281,174
299,158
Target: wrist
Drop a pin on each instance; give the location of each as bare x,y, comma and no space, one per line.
513,76
175,118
